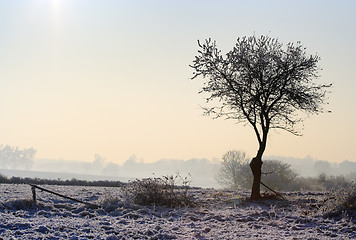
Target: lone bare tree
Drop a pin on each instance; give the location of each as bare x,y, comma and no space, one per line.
261,83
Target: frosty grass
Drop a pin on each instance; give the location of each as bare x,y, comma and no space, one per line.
218,214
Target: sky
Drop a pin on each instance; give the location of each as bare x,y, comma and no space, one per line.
86,77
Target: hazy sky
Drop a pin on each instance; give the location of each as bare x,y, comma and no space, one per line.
79,77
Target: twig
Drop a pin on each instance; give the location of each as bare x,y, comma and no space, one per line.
273,190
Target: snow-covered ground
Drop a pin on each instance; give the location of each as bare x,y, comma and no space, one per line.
218,214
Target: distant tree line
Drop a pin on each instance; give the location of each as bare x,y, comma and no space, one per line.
15,158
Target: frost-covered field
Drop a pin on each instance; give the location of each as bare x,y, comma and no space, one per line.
218,215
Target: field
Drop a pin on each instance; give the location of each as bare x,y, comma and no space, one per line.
217,214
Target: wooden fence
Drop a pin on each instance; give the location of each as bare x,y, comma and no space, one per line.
33,187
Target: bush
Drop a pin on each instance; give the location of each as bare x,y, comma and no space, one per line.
342,201
278,175
159,191
235,172
321,183
306,184
332,182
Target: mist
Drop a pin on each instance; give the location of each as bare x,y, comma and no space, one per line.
310,167
15,158
201,172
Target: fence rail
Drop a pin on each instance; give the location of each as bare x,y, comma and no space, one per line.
33,187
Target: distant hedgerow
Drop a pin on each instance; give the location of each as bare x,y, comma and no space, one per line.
72,182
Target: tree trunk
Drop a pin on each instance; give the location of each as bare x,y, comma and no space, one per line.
256,167
256,162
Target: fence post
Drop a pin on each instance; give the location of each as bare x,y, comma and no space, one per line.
34,195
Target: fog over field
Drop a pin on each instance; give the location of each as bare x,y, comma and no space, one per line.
201,172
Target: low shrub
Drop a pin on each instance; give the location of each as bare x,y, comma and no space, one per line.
162,191
322,182
332,182
307,184
342,201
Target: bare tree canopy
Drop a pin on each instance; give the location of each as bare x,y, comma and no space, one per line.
15,158
261,83
234,172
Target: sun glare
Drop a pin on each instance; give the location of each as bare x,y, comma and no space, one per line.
57,11
56,7
56,3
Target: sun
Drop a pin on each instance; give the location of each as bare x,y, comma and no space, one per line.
56,3
56,6
57,11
